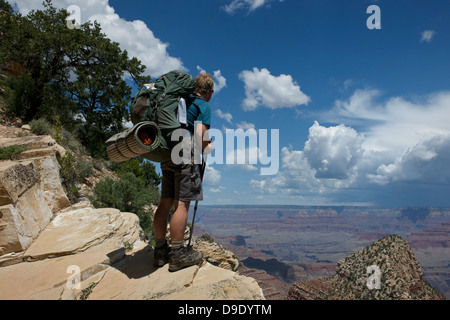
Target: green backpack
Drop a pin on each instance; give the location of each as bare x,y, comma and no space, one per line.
158,103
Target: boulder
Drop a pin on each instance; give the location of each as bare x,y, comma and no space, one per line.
217,255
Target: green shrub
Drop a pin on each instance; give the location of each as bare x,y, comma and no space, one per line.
70,141
69,175
57,130
65,137
72,173
9,153
40,127
207,237
128,194
83,169
143,169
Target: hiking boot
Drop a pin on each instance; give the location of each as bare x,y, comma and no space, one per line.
184,257
161,255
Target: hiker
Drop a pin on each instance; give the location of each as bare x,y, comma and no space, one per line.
182,184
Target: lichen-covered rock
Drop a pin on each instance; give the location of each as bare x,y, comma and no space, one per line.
385,270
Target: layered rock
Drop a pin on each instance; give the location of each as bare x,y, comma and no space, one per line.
85,249
432,249
50,249
83,239
272,287
385,270
137,279
30,192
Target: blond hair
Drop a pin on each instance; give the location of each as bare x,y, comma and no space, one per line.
204,83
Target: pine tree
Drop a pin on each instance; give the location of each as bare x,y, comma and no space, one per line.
75,74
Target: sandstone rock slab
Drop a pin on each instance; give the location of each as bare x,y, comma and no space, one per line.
135,278
50,181
77,230
52,279
23,221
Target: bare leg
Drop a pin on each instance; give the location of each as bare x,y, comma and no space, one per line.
161,217
179,220
181,256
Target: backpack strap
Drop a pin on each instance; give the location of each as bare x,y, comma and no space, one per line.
163,95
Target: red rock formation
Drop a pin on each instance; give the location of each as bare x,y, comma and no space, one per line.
438,237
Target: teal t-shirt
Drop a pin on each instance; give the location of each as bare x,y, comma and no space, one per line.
198,110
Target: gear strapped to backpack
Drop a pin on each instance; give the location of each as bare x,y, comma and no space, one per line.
157,108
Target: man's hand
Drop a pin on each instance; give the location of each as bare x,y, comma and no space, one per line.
209,148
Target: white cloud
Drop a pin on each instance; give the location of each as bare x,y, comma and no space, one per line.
224,115
217,189
212,176
333,152
427,35
244,156
244,125
395,125
404,139
425,162
359,105
327,163
200,70
264,89
219,81
249,5
129,34
401,146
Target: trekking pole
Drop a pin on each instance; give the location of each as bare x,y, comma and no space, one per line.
196,202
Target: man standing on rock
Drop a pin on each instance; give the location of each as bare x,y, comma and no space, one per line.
182,183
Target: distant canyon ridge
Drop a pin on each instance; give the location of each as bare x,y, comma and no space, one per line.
303,243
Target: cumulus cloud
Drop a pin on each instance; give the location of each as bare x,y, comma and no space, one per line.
220,81
249,5
264,89
212,176
333,152
427,35
245,156
396,124
244,125
328,162
425,162
401,145
224,115
129,34
402,136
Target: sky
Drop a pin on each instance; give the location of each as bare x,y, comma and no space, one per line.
343,102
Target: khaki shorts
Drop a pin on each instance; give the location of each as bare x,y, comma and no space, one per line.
181,182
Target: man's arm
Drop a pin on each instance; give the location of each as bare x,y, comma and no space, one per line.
201,134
